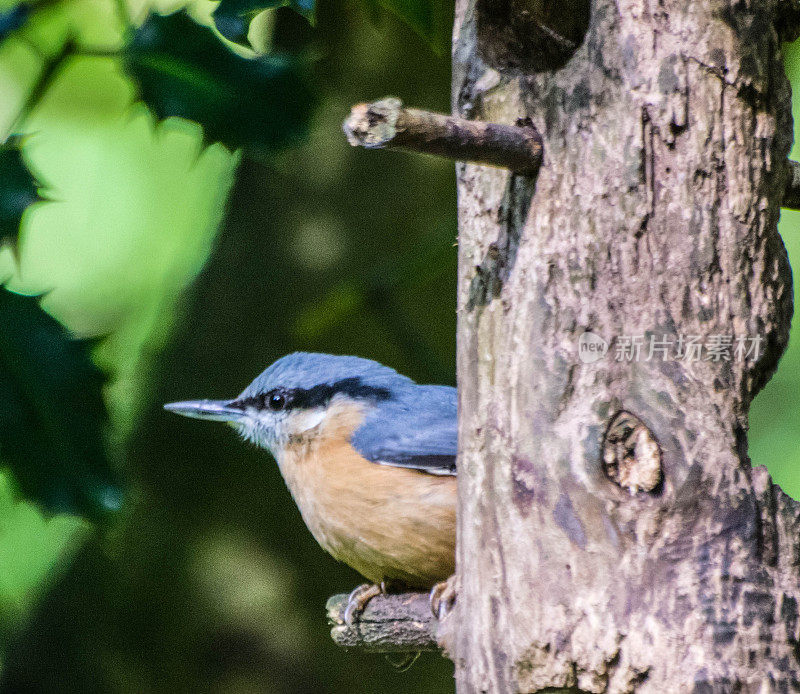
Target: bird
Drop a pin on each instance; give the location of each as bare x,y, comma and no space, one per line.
369,457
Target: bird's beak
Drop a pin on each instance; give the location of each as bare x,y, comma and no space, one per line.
215,410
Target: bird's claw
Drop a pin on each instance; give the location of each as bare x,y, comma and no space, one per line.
443,597
358,600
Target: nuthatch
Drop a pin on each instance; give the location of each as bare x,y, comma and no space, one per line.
369,457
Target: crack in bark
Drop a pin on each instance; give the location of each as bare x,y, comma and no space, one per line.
501,255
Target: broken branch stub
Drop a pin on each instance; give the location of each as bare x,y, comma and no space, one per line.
388,124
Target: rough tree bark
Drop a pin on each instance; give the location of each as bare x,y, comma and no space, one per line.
665,133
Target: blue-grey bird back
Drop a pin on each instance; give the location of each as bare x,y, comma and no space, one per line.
416,428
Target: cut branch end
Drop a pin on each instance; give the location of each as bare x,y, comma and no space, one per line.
388,124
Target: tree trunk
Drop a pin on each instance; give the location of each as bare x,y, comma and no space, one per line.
612,534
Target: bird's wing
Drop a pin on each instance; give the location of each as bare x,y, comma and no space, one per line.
417,428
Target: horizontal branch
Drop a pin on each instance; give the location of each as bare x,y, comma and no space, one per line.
388,124
389,624
791,196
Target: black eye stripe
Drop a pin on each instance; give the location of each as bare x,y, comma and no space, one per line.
318,396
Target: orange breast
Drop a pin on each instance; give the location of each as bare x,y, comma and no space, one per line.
385,522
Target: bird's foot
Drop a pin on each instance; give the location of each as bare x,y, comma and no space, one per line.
443,597
359,598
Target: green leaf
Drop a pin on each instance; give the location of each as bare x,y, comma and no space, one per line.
18,190
115,272
52,413
232,17
31,547
183,70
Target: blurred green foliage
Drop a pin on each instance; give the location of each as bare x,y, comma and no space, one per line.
431,19
52,413
19,190
29,543
182,69
210,582
233,17
775,414
131,213
13,16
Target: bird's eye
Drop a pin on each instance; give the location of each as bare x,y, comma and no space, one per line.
276,401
